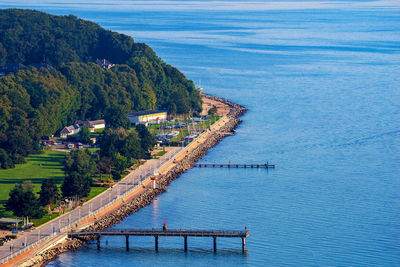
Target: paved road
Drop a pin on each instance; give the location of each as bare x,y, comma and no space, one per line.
63,222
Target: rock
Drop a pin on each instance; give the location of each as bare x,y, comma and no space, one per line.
147,197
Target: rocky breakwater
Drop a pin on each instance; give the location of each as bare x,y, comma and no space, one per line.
214,136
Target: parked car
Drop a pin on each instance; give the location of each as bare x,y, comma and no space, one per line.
69,146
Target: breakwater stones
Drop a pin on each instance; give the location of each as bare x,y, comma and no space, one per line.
49,255
147,197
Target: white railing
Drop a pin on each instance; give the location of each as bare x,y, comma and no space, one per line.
91,212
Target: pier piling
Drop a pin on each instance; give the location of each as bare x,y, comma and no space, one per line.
215,243
163,232
237,165
185,242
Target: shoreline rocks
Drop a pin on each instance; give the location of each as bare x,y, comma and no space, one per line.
147,197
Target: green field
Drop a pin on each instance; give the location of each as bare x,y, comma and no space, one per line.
37,167
94,191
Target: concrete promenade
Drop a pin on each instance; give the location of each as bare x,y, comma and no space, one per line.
59,225
45,236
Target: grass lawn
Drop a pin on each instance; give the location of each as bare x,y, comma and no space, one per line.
93,149
161,153
36,169
97,133
95,190
44,219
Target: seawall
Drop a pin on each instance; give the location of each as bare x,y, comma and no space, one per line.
184,161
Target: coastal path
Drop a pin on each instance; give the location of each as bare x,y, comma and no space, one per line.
70,220
56,229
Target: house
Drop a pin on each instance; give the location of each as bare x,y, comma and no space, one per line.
76,127
70,130
97,124
42,65
149,116
93,125
104,63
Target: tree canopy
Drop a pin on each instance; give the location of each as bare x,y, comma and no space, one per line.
39,100
79,168
23,201
48,192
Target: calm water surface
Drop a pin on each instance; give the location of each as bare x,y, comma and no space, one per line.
321,82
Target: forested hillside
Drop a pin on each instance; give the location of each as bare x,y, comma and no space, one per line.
36,102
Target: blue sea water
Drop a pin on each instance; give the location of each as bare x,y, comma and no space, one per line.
321,80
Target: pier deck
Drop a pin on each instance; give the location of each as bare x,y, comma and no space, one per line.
156,233
233,165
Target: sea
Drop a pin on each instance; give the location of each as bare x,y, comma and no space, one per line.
321,81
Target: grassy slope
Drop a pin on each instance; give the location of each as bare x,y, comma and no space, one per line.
37,167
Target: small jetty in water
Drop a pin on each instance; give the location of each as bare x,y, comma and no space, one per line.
234,165
163,232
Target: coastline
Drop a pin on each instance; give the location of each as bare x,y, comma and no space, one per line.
143,196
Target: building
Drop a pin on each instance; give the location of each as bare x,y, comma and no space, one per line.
10,221
70,130
104,63
42,65
76,127
148,117
93,125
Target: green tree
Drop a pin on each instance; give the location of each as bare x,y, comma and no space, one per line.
116,116
109,143
23,202
5,161
120,162
104,166
84,135
212,111
79,168
49,192
37,101
3,55
132,146
147,140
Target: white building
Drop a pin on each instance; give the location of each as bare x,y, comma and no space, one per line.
70,130
104,63
76,128
93,125
148,117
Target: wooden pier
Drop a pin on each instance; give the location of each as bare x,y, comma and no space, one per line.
156,233
230,165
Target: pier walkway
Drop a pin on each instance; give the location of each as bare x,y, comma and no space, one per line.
156,233
234,165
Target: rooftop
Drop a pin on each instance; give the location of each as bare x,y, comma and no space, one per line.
9,220
146,112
